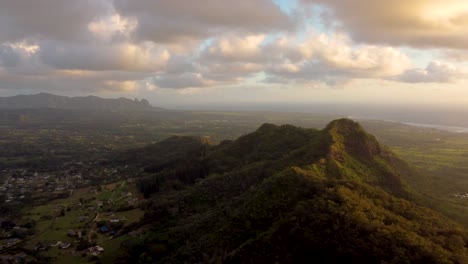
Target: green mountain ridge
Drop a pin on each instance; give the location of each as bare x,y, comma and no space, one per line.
284,194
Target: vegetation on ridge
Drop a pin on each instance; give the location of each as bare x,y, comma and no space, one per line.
291,195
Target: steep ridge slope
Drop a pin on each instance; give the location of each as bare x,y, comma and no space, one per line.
358,155
284,194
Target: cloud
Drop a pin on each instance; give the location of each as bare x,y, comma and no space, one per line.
125,86
180,81
168,21
8,56
48,19
334,58
338,52
325,58
113,26
416,23
435,72
14,54
93,41
235,48
145,57
131,45
233,58
456,55
73,81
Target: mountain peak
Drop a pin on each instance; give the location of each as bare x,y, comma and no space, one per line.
351,137
267,126
358,155
345,126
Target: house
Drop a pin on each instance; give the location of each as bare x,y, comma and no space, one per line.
95,251
65,246
82,218
72,233
20,257
42,246
57,244
104,229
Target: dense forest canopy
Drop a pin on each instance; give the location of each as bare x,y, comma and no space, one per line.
288,195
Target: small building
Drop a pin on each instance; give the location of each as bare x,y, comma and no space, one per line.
104,229
82,218
20,257
72,233
42,246
95,251
65,246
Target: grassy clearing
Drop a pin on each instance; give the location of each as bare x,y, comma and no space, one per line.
132,216
56,218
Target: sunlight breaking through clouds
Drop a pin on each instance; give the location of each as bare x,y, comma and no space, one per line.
135,46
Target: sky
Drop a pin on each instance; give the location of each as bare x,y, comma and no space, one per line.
180,53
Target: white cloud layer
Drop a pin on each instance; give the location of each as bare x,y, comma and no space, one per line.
417,23
435,72
129,45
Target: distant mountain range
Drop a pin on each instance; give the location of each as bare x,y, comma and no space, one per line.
46,100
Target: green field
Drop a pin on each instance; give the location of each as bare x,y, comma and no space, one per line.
52,226
440,156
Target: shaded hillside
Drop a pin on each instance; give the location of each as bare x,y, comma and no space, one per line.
343,150
179,160
289,195
45,100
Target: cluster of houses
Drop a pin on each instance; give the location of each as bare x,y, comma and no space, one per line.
461,196
19,257
93,251
61,245
16,185
9,243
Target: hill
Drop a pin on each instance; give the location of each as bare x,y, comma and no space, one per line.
46,100
284,194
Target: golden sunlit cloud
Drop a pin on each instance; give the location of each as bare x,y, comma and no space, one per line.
444,12
123,86
113,25
143,57
24,46
235,46
417,23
